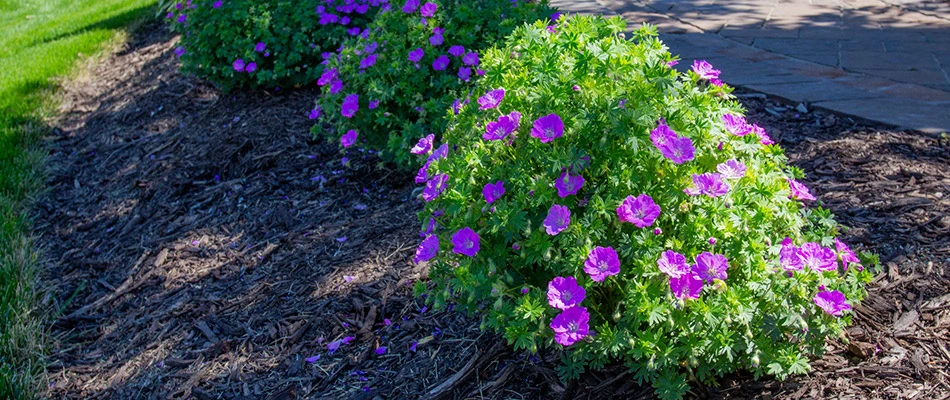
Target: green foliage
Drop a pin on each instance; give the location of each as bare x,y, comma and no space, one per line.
413,97
294,34
611,93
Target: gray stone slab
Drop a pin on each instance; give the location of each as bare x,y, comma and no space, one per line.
920,77
813,91
758,33
893,61
922,116
797,46
861,45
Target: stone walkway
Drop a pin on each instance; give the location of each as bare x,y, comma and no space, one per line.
879,60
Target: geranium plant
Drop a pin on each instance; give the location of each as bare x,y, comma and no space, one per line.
265,43
393,86
595,200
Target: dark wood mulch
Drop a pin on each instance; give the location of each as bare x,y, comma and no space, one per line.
201,245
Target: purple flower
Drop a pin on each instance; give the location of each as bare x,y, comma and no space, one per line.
465,242
423,174
493,191
251,67
790,256
428,9
336,86
847,256
328,76
705,70
373,104
353,31
380,350
465,73
333,346
833,302
504,126
640,211
311,359
687,286
217,4
427,249
439,153
350,105
416,55
470,58
564,293
568,184
437,39
672,63
440,63
368,61
732,169
559,217
491,99
434,187
601,263
410,6
711,266
662,135
710,184
370,48
799,190
818,258
548,128
182,18
179,51
260,47
315,113
736,124
239,65
555,16
679,150
673,264
456,50
424,145
349,138
764,138
570,326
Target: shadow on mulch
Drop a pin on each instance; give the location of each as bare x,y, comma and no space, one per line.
203,246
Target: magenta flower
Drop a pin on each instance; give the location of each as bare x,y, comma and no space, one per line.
316,112
568,184
679,150
847,256
465,73
672,63
440,63
673,264
434,187
736,124
764,138
349,138
437,39
260,47
564,293
470,58
732,169
501,128
251,67
491,99
687,286
424,145
709,184
416,55
570,326
373,104
368,61
711,266
328,76
548,128
410,6
790,256
238,65
493,191
662,135
601,263
336,86
818,258
705,70
351,104
799,190
427,249
465,242
217,4
559,217
640,211
428,9
423,174
179,51
833,302
456,51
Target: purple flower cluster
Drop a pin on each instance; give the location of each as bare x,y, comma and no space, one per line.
686,281
709,184
815,256
640,211
678,149
571,325
706,71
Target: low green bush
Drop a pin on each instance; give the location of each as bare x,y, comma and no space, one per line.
265,43
393,86
594,199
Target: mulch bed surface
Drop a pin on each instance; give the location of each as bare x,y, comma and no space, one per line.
202,245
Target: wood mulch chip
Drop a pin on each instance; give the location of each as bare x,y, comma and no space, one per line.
201,245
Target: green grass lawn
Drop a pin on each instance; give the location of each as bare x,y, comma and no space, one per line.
39,40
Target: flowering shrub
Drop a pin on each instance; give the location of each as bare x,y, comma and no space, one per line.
394,85
265,43
596,200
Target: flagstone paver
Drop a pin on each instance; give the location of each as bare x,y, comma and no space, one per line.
880,60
